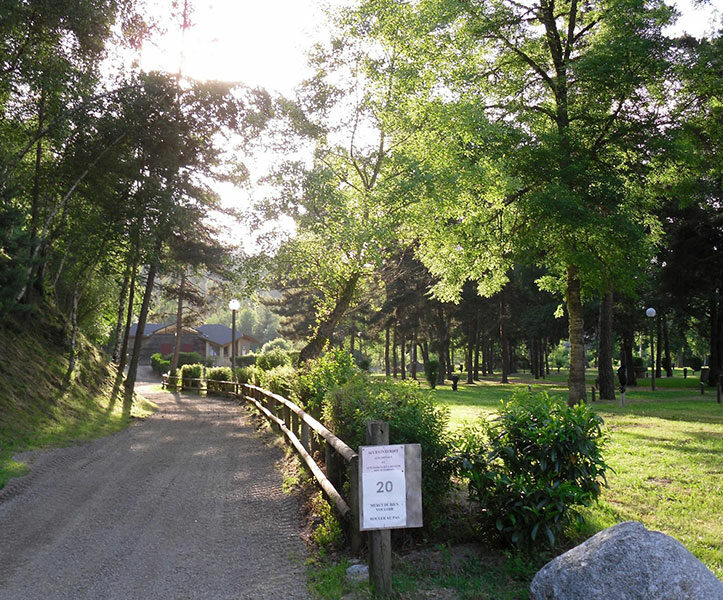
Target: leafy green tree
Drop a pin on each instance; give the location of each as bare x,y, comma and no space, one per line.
538,119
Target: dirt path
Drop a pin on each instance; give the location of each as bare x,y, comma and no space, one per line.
184,505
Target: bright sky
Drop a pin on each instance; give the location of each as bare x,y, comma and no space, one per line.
264,43
256,42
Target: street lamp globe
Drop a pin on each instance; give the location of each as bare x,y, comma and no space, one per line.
234,304
650,312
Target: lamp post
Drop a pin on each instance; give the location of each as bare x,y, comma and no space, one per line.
234,305
651,313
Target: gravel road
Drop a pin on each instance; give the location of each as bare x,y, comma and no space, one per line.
184,505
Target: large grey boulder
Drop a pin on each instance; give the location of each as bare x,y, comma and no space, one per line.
626,562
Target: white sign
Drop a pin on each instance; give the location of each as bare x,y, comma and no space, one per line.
384,487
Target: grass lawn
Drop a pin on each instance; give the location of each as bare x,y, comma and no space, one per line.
666,449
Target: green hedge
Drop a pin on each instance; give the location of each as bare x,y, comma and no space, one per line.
159,364
280,380
272,359
317,377
247,360
195,371
412,418
217,374
530,465
248,375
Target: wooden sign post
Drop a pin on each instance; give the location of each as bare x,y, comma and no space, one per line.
390,497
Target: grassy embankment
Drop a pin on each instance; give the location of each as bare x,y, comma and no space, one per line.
666,449
39,408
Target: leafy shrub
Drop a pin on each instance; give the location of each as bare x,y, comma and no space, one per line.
412,418
527,467
277,344
189,358
217,374
280,380
247,360
317,377
272,359
159,364
431,372
248,375
191,372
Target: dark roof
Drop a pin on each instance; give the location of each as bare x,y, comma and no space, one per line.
218,334
149,329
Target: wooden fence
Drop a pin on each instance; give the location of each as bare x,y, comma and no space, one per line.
313,442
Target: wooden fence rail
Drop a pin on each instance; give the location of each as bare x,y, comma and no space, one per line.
313,442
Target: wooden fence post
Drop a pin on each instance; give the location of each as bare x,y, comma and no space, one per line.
287,417
355,538
305,436
332,466
380,541
295,424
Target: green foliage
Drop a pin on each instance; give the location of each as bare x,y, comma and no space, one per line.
277,343
247,360
249,375
272,359
431,372
159,364
280,380
412,418
528,466
328,533
194,371
217,374
317,377
14,243
189,358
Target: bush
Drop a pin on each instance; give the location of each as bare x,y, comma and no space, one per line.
189,358
247,360
277,344
272,359
248,375
431,372
217,374
191,372
527,467
159,364
280,380
412,418
317,377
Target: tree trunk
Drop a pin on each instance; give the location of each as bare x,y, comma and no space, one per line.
138,341
667,361
351,341
716,339
471,343
628,345
659,346
424,347
129,319
73,336
413,367
326,327
477,343
403,353
179,324
387,370
503,341
576,377
395,368
606,377
121,311
547,356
